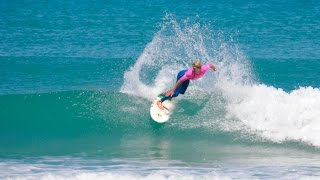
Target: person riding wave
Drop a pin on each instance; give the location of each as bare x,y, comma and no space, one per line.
183,79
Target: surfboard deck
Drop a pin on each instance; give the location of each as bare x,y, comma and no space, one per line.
159,115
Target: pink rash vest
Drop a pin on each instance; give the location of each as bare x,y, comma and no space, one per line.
191,75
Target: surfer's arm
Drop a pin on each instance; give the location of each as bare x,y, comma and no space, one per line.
170,93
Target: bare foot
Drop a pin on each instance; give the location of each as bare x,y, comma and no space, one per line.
159,103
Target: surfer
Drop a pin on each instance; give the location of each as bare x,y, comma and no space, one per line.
183,79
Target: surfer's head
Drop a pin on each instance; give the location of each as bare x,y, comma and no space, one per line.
196,65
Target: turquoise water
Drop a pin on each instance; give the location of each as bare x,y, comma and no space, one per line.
77,79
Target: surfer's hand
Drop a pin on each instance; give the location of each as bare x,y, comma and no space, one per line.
170,93
214,68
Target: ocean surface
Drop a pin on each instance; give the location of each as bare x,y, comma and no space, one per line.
77,79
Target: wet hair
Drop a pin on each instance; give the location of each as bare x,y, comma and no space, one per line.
196,64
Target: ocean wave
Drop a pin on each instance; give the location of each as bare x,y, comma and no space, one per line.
237,101
275,114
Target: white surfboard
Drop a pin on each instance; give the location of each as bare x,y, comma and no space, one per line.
158,114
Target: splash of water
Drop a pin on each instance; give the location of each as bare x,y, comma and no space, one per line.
174,48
